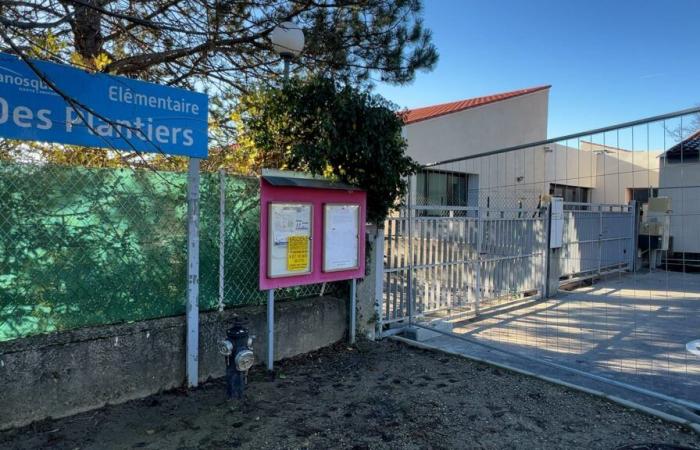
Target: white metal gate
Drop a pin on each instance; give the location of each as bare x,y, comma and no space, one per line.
457,260
461,259
597,239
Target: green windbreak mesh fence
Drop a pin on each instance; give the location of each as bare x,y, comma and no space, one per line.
83,247
88,246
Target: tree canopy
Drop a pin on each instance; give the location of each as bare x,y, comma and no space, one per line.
221,46
323,127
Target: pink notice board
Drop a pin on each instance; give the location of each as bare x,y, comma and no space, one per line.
317,197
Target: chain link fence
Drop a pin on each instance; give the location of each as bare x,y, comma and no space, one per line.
84,246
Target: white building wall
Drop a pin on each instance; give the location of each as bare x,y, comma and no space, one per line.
496,125
568,165
508,178
519,175
618,170
681,182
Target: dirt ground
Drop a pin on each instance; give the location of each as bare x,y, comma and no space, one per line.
377,395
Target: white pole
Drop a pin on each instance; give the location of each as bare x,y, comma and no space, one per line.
192,309
633,232
411,205
270,329
222,235
379,278
479,243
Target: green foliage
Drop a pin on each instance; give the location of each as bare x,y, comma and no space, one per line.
323,127
222,47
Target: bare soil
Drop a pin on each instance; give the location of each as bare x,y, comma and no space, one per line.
376,395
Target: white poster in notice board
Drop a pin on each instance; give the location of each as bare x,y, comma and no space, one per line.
341,235
289,239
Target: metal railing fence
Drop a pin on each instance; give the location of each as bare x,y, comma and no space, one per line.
622,302
460,262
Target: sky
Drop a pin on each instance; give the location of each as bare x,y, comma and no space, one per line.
608,61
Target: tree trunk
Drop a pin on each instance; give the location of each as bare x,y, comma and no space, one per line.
87,27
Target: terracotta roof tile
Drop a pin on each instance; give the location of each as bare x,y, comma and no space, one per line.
429,112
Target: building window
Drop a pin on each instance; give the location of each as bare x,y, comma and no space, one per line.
435,187
642,195
575,194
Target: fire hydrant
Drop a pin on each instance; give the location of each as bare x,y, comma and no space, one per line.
239,358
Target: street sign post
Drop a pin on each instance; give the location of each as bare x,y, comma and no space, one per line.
43,101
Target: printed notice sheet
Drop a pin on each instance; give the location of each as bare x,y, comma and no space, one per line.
297,253
341,234
289,230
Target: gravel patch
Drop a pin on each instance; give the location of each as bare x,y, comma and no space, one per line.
383,395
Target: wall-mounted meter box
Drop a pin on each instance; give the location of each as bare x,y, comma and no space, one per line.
556,233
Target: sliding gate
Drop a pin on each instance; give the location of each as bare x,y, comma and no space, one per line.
457,261
597,239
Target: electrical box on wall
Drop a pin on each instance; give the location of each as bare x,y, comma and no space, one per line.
556,233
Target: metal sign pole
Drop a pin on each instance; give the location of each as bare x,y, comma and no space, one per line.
192,272
353,308
270,329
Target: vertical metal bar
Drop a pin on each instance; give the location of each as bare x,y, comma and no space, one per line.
410,250
544,248
222,235
379,278
270,329
391,278
401,261
286,69
353,307
600,236
479,231
192,309
633,240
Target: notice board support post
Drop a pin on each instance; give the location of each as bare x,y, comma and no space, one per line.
270,329
192,309
353,309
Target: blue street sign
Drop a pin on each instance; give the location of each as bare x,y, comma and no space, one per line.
120,113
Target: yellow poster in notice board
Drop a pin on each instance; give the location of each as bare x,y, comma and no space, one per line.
297,253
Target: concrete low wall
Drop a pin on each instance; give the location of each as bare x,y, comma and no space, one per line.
65,373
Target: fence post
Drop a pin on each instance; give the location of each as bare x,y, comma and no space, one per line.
222,235
479,231
192,309
600,238
379,279
546,252
411,213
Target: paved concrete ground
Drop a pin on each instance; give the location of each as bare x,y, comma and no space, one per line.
632,328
